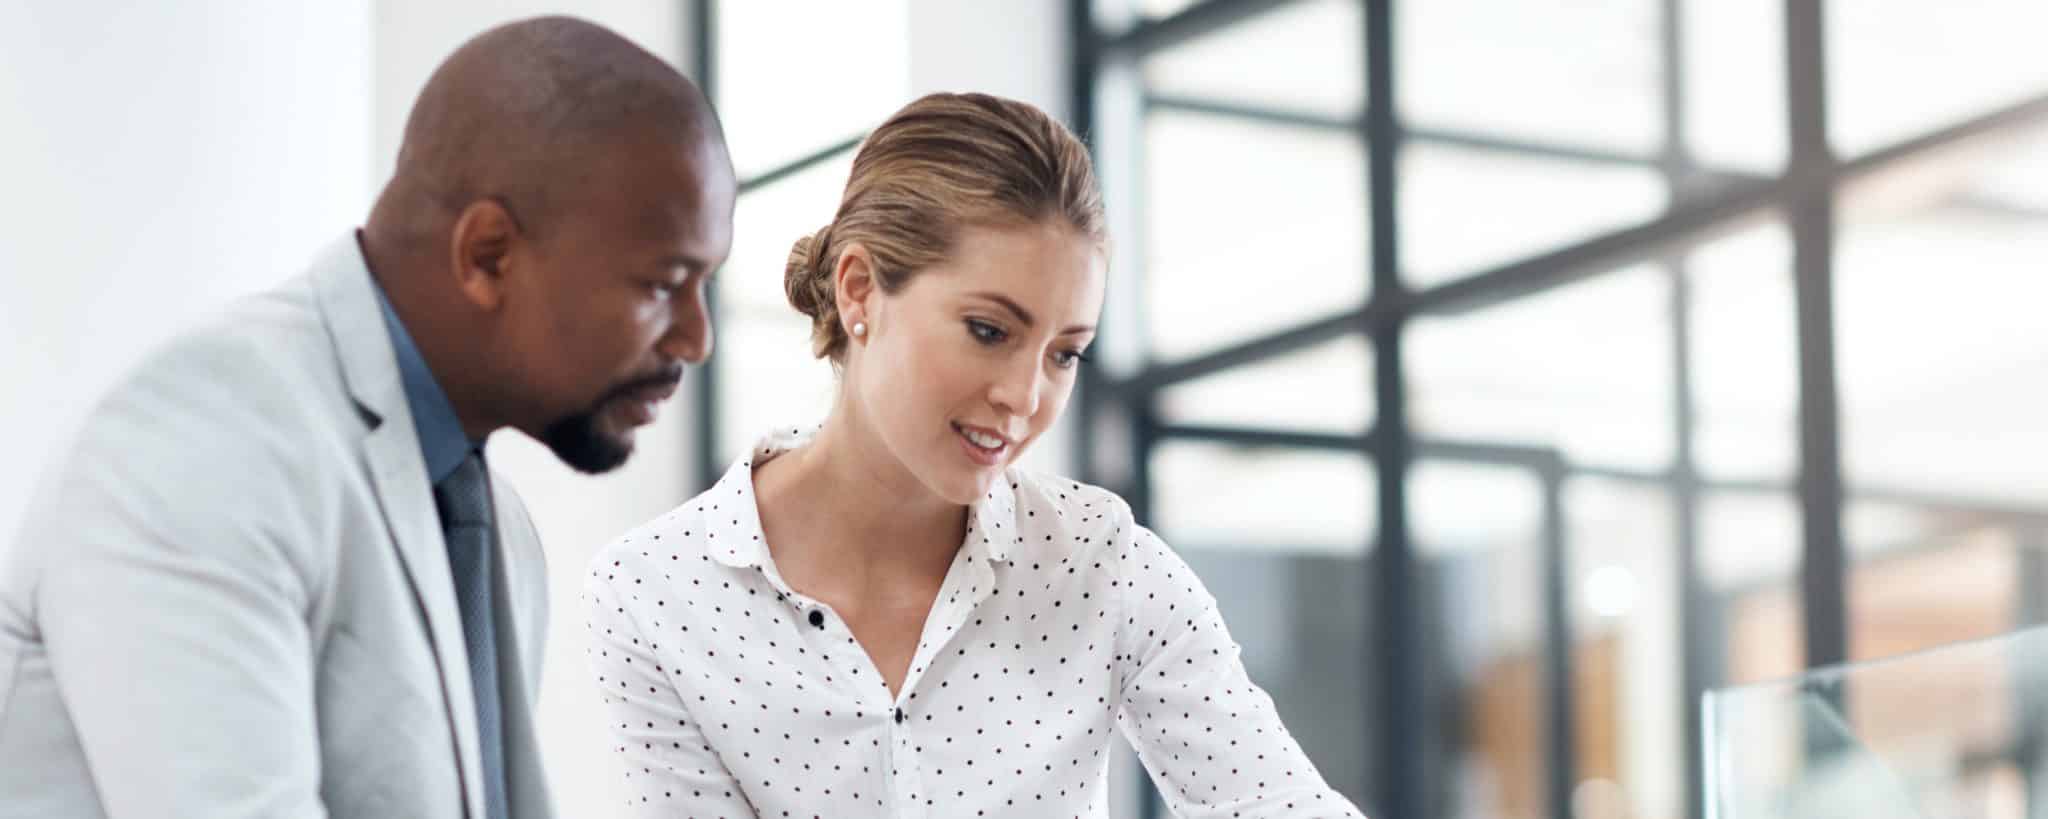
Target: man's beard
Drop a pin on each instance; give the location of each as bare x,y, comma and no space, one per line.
579,442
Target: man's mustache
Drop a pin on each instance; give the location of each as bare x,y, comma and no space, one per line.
667,378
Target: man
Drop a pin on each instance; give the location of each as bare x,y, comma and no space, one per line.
273,577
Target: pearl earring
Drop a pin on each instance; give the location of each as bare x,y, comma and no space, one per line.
860,329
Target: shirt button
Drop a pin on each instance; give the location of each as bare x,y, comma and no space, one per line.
817,618
899,716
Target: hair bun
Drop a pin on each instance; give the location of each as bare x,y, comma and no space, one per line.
808,284
800,277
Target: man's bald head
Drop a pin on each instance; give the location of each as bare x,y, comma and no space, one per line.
518,110
560,199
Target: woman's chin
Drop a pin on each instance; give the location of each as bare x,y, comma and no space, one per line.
964,487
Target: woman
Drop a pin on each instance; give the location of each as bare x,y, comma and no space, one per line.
884,617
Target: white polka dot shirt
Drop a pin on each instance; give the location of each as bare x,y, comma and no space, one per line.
730,694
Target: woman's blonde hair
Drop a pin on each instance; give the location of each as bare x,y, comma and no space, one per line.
944,162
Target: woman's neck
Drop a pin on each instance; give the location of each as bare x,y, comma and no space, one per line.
844,508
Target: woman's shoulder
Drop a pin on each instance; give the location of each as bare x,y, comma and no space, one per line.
676,539
1059,516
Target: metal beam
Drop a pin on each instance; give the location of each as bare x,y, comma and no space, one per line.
1824,558
1301,336
1254,437
1559,701
703,34
1319,121
800,164
1254,112
1706,217
1402,774
1195,21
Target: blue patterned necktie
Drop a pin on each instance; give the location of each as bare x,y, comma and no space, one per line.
464,500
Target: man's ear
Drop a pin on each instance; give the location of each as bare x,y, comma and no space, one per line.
480,251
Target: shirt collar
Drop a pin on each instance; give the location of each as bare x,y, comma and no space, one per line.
442,441
733,523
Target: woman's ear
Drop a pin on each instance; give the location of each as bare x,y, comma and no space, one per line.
853,286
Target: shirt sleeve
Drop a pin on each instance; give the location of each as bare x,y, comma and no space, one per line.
670,770
1209,737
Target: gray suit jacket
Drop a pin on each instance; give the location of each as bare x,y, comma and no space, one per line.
231,597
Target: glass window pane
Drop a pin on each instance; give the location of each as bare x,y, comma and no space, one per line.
767,377
1584,368
1239,245
1745,356
1279,537
1898,69
1304,56
1325,388
1938,300
1495,67
1734,92
773,115
1932,590
2020,183
1749,560
1622,584
1465,209
1479,573
1219,496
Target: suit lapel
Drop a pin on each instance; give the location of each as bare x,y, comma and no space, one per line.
526,782
355,323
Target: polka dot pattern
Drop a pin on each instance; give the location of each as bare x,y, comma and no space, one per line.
1060,622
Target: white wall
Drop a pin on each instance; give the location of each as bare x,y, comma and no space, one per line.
158,160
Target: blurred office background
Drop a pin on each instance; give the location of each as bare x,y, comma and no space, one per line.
1512,370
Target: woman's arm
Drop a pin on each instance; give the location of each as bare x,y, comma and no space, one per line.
1210,738
670,769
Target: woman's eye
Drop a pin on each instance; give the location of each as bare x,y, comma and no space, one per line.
984,332
1068,359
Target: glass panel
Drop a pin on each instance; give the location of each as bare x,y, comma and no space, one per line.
1325,388
1745,356
773,115
1465,209
1280,537
1622,581
1496,68
1897,71
1304,56
2021,181
1938,297
1304,623
763,353
1749,560
1237,247
1479,572
1219,496
1734,92
1585,368
1952,732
